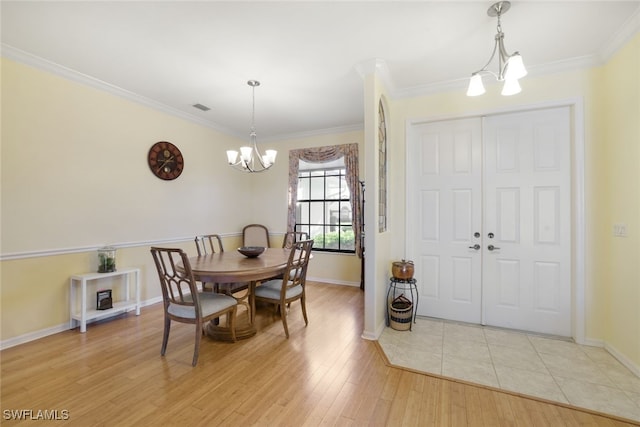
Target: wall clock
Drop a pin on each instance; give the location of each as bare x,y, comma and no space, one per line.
165,160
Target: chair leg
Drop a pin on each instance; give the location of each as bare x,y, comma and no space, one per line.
231,316
165,336
304,309
283,315
196,350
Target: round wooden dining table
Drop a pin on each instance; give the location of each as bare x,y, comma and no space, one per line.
233,268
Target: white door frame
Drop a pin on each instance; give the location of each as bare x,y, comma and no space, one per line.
577,196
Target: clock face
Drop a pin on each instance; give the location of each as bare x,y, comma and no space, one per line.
165,160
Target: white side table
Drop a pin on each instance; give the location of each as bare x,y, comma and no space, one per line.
85,314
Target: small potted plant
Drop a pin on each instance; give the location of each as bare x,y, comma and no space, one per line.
106,259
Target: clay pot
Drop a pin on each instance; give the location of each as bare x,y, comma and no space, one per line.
402,270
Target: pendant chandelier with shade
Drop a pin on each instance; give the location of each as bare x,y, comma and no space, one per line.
250,159
510,67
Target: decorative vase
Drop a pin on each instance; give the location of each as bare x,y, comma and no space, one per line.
106,259
402,270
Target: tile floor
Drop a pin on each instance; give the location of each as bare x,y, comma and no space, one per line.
534,365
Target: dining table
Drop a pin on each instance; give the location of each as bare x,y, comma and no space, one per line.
232,271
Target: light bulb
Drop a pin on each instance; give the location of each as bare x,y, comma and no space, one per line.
245,154
232,156
475,85
511,87
515,68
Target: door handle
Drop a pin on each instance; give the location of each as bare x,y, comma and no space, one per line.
492,248
476,247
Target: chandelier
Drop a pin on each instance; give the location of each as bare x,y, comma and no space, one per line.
250,158
510,67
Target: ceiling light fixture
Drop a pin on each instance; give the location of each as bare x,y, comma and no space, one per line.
510,67
250,159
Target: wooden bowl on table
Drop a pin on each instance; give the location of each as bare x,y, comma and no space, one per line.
251,251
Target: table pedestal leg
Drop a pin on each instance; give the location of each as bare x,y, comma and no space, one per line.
223,333
244,319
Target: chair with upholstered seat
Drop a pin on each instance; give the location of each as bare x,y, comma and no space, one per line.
282,292
290,237
255,235
182,300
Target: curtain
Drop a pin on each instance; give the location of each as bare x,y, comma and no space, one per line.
322,155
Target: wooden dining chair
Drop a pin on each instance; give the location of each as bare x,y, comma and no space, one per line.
290,237
255,235
209,244
182,300
291,287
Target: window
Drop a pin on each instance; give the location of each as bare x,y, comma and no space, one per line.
331,157
323,209
382,169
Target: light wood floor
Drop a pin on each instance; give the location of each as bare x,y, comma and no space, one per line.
325,374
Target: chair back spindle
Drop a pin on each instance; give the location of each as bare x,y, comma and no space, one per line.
177,288
292,237
209,244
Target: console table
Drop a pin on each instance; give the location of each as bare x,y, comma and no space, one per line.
84,313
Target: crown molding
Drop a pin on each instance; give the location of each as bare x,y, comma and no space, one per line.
318,132
378,67
626,32
18,55
537,70
21,56
373,66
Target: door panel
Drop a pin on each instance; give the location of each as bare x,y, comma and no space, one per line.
507,282
526,279
444,182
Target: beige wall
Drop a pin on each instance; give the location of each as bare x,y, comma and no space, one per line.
379,245
75,178
75,174
619,159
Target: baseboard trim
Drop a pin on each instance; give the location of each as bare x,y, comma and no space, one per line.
628,363
376,335
32,336
333,282
623,359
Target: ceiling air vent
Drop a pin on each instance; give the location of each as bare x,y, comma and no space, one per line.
202,107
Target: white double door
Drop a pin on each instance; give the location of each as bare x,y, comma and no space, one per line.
488,205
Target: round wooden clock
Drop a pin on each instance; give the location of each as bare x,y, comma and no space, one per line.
165,160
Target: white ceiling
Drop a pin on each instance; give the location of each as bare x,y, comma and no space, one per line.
307,55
